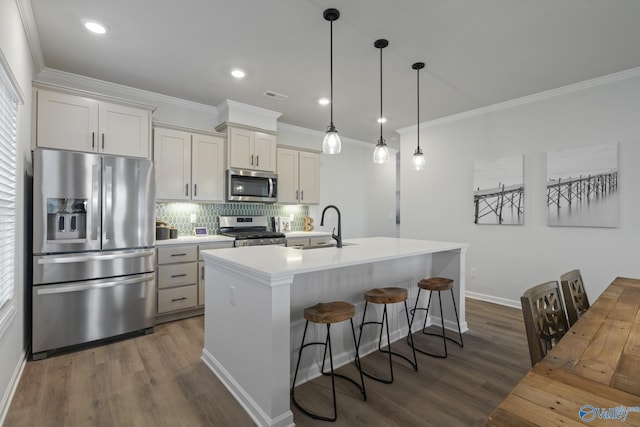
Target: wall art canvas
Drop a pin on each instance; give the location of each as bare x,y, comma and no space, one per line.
498,191
582,186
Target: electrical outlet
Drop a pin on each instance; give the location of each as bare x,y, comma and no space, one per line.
232,295
193,218
473,272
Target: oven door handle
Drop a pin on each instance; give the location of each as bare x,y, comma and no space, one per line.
48,290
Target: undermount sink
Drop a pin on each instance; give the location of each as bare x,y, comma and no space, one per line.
332,245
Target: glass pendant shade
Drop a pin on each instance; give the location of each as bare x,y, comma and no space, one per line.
381,153
418,161
331,143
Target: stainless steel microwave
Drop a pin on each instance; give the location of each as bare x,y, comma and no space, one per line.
251,186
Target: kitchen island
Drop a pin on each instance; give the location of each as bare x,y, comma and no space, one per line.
255,297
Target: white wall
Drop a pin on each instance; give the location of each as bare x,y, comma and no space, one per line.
438,203
363,191
13,343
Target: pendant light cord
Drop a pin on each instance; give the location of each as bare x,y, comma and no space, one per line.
418,98
381,140
331,67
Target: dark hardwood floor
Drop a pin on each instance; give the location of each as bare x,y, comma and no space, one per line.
159,380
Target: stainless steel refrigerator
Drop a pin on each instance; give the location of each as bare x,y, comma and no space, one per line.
93,248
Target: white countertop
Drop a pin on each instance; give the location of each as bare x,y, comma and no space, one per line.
272,262
195,240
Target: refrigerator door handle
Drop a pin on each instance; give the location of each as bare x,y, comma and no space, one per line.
62,289
108,200
95,192
93,257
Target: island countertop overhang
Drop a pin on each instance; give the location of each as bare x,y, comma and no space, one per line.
272,265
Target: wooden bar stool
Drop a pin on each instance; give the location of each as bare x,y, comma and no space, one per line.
328,313
436,284
386,296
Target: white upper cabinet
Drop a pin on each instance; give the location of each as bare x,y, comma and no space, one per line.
298,176
250,148
78,123
189,165
207,167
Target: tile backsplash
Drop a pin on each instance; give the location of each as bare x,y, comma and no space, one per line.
178,214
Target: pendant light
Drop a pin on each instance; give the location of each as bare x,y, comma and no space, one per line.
331,143
418,161
381,153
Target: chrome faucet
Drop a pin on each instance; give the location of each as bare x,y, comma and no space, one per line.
338,237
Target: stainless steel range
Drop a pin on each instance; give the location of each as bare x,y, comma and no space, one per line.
250,231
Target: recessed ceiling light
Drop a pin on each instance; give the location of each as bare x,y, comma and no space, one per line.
238,74
382,120
323,101
95,27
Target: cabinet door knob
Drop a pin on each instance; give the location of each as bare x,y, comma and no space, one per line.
195,189
297,194
186,189
103,141
252,160
301,194
257,160
93,140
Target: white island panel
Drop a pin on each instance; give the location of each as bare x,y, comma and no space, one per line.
255,299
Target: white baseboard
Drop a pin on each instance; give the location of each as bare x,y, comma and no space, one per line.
495,300
250,406
11,390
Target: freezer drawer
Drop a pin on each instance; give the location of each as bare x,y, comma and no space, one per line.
89,265
79,312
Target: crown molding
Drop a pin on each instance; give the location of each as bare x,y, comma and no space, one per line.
229,104
31,32
74,80
564,90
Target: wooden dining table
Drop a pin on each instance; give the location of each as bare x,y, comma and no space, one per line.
592,376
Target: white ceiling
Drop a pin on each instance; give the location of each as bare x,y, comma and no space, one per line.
478,52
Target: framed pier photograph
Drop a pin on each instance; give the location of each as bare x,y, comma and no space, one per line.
498,191
582,186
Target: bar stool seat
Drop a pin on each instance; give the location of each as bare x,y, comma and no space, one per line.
436,284
328,313
389,295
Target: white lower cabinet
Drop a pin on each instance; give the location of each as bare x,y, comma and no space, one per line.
180,273
177,273
309,241
202,247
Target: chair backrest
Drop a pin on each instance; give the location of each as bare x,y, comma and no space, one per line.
544,318
575,297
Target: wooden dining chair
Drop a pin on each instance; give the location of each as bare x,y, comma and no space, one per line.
544,318
575,297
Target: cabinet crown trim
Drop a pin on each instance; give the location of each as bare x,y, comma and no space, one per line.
293,147
223,127
189,130
93,95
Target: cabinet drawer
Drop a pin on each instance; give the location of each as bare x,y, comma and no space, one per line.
177,298
177,274
297,241
320,241
171,254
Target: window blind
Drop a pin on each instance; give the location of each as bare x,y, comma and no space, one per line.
8,140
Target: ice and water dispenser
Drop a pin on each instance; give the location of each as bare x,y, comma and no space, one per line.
66,219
